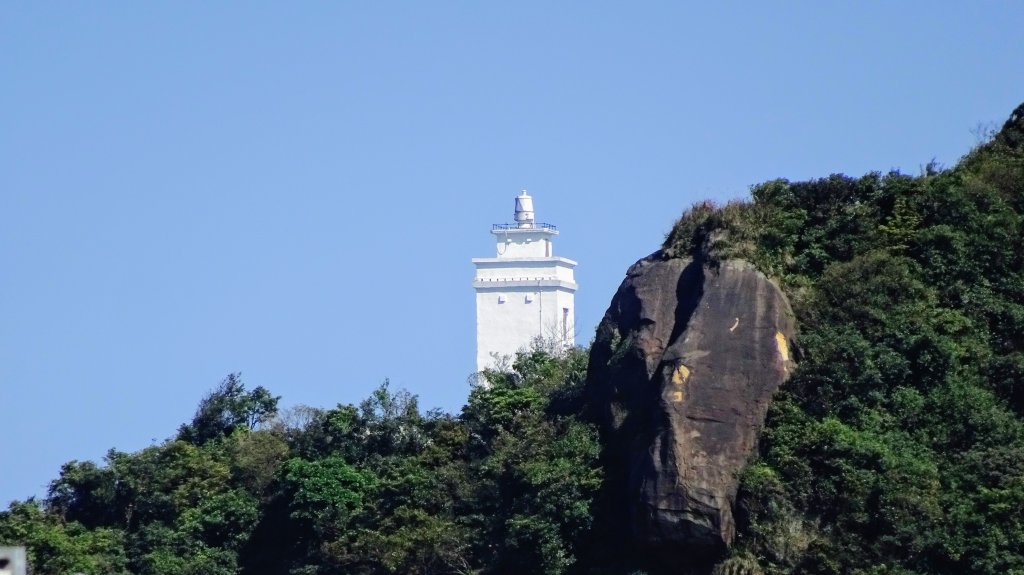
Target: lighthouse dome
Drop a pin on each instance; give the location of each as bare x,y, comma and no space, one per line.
524,210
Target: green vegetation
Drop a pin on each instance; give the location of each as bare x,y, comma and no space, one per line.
897,446
378,488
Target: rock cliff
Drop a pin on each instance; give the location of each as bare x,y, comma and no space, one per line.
681,374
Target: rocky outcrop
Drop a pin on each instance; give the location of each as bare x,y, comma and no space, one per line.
681,375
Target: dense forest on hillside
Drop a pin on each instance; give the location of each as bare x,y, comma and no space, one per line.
897,446
504,486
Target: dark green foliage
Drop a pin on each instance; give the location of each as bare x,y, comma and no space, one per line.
895,445
379,488
539,469
57,546
227,408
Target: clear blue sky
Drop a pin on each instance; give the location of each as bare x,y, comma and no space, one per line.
295,190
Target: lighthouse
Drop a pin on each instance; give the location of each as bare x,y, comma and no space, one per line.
525,293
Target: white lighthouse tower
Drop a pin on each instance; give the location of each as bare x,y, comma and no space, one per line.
525,292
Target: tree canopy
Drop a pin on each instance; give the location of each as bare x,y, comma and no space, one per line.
378,488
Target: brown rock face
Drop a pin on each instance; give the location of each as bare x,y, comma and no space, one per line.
682,372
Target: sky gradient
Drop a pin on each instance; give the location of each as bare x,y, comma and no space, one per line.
294,191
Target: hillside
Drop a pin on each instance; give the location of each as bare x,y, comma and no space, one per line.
896,446
895,443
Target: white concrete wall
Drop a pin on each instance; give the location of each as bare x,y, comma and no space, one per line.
527,312
531,249
524,243
567,322
490,269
